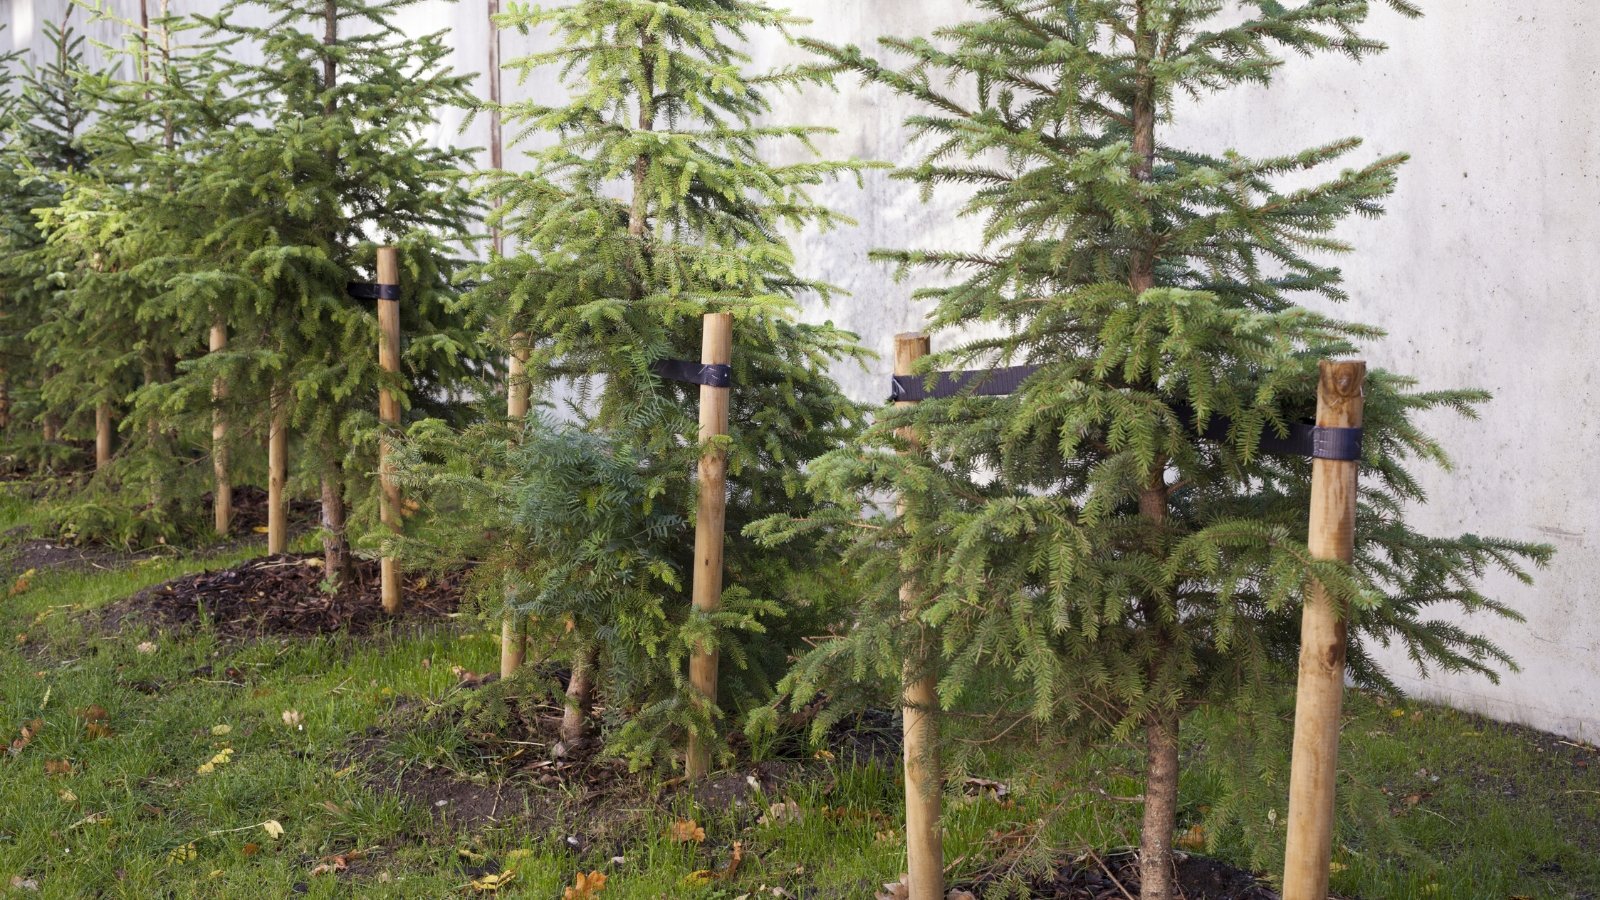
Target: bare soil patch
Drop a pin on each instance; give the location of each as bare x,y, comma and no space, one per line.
281,596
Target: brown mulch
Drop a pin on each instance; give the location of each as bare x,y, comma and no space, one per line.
280,596
1116,877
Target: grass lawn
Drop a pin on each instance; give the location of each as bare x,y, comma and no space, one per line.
126,790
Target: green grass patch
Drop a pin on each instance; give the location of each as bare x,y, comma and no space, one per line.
127,806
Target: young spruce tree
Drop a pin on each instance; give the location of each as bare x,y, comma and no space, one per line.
656,204
118,236
1078,543
333,162
44,140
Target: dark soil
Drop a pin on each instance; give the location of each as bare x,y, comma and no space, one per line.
44,556
1116,877
250,510
280,595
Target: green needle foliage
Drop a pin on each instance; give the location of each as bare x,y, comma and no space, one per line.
657,203
44,139
291,203
1081,549
117,237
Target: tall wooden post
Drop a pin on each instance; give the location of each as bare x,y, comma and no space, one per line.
1319,694
102,435
919,706
389,415
716,349
222,493
278,472
513,634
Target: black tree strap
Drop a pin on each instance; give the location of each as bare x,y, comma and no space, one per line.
710,375
1304,439
363,290
973,383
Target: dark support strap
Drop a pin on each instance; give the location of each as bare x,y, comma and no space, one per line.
971,383
1303,439
694,373
362,290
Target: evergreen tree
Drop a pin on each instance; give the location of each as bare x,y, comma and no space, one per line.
654,206
44,139
1078,542
332,162
117,237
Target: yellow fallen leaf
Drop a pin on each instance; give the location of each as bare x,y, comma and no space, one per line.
273,828
183,854
519,853
146,647
1194,838
68,797
585,887
292,718
489,884
260,529
221,730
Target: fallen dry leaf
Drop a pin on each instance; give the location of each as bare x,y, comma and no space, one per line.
58,767
786,811
684,831
18,883
985,786
292,718
956,894
23,582
250,849
273,828
1193,839
183,854
585,887
28,733
221,730
146,647
489,884
896,890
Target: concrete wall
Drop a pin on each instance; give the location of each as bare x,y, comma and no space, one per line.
1481,272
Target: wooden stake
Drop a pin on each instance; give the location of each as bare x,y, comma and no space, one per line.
716,348
102,436
278,473
1319,693
919,706
513,633
222,502
389,415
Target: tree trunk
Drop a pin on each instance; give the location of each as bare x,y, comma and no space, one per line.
335,542
5,401
575,720
1156,870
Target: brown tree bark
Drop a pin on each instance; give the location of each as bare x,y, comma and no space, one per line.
335,540
1161,725
576,719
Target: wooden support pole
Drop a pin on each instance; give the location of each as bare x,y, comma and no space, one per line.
716,349
222,487
919,706
389,415
1319,694
513,634
278,472
102,436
